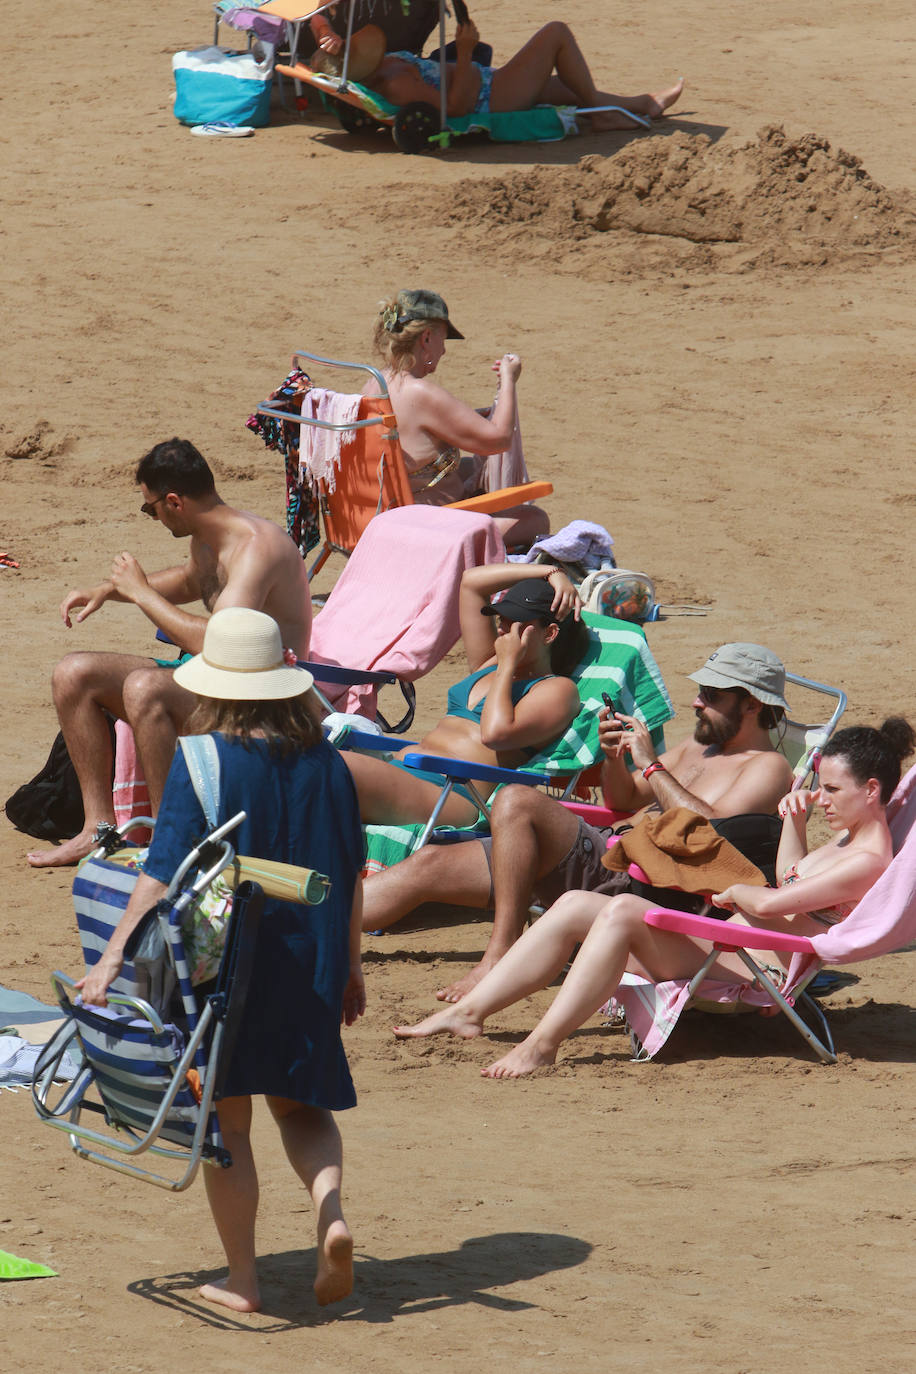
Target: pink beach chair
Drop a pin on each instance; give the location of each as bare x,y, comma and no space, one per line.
882,922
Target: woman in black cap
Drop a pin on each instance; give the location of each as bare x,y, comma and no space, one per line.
515,700
435,427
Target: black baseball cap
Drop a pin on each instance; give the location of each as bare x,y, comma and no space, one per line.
529,600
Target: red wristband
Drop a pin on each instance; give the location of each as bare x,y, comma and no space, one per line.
656,766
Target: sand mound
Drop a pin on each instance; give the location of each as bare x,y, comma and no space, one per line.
38,441
791,200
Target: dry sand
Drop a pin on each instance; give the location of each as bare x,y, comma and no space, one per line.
716,327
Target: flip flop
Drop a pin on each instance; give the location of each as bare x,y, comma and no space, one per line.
222,130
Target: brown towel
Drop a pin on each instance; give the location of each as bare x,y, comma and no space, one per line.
681,849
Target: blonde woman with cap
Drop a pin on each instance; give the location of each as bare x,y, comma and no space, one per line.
435,427
306,978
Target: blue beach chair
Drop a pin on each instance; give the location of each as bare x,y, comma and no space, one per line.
154,1062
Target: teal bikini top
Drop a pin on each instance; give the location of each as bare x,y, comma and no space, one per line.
458,695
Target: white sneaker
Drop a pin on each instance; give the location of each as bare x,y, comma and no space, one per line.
222,130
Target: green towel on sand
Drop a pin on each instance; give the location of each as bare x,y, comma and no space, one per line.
12,1267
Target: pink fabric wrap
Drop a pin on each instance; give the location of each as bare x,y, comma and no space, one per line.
885,919
130,794
394,607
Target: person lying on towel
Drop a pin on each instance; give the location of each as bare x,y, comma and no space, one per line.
549,70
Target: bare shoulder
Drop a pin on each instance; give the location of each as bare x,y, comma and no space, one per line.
770,763
253,535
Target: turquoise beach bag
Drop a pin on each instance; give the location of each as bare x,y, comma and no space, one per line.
215,85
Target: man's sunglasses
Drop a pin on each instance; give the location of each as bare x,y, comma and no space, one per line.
149,507
713,695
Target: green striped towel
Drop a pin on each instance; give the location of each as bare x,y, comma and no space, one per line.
618,661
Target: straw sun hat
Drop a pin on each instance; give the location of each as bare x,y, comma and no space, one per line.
242,660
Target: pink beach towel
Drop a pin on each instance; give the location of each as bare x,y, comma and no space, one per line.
395,605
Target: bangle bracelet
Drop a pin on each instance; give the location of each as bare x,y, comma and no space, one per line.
656,766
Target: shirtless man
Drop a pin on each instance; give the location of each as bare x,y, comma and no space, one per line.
538,848
236,559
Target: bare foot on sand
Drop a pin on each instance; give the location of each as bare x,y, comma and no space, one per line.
525,1058
62,855
335,1265
663,100
449,1021
238,1297
648,106
455,991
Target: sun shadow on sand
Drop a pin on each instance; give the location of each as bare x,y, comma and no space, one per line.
384,1288
478,149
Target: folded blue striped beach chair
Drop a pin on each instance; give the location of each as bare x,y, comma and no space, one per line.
150,1068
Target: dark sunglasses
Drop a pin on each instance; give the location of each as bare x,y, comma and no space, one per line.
713,695
149,507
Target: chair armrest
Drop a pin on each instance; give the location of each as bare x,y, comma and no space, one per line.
596,815
491,501
362,739
724,935
350,677
459,770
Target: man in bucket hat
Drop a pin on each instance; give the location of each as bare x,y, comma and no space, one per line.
539,849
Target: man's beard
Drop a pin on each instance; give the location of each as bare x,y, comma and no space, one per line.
721,731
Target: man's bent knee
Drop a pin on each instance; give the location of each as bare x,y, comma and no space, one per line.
517,802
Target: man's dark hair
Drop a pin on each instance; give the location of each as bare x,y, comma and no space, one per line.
768,717
175,465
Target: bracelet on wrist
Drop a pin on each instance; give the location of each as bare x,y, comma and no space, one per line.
656,766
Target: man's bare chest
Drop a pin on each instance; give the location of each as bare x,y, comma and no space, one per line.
212,578
707,776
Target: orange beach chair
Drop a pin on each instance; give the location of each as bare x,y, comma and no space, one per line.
372,476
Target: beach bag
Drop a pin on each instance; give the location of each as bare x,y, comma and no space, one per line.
218,86
50,806
621,593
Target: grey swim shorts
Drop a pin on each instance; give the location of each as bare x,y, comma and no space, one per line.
580,870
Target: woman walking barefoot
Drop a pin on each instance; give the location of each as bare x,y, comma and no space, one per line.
306,977
860,768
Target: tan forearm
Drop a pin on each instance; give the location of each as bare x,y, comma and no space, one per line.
183,628
669,793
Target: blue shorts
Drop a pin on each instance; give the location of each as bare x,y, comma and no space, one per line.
172,662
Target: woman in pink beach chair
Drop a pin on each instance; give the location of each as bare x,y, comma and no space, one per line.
860,767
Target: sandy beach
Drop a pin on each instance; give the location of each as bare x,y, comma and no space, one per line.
715,321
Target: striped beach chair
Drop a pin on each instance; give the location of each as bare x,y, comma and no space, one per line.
153,1069
618,661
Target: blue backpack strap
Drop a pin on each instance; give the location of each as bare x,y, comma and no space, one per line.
202,762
